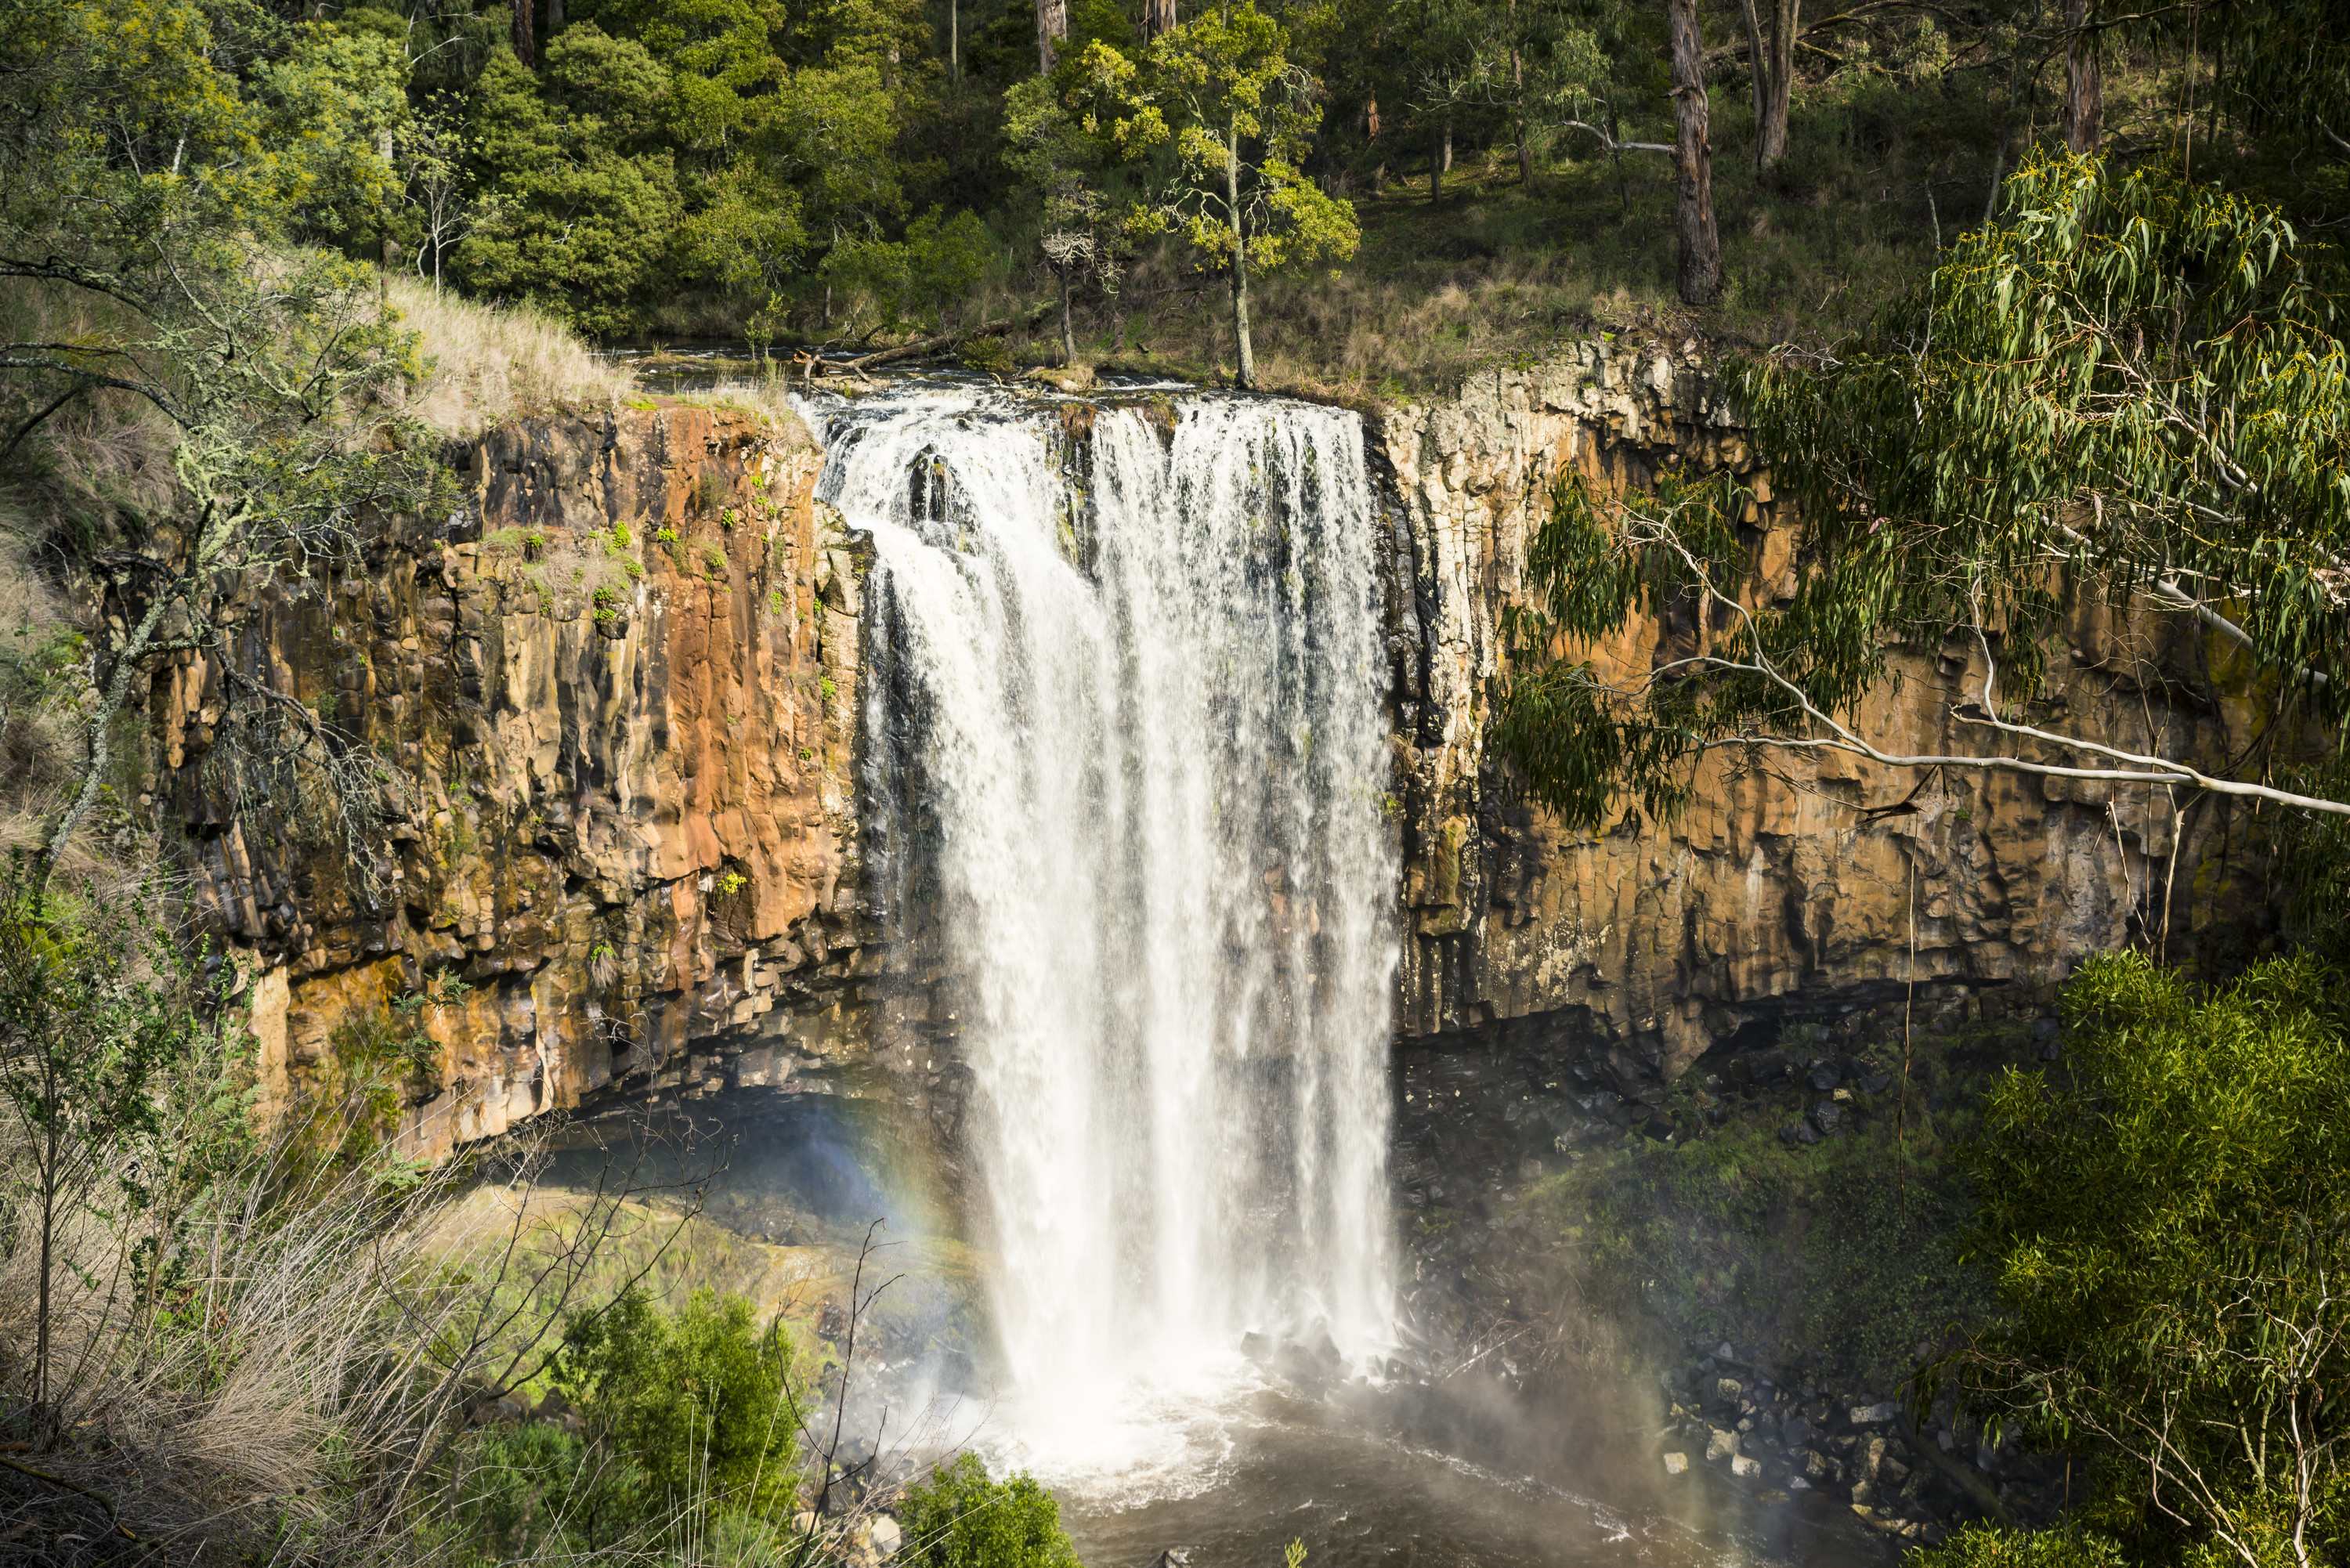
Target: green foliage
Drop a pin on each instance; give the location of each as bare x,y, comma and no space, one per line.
961,1518
1239,112
99,1014
587,200
1579,736
699,1404
2191,1318
989,357
329,108
2132,388
925,279
1988,1547
2133,380
143,193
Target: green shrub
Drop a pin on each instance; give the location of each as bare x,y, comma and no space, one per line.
1988,1547
701,1401
2167,1210
989,357
961,1518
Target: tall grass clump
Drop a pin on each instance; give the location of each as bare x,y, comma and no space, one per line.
487,364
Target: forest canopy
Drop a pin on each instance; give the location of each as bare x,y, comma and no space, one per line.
805,172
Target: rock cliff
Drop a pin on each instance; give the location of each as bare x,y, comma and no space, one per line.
1791,890
618,692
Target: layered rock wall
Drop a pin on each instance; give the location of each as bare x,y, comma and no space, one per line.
616,694
1791,888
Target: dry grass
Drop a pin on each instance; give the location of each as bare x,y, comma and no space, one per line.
491,364
310,1354
768,396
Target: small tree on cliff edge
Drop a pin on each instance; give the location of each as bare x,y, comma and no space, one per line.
1223,88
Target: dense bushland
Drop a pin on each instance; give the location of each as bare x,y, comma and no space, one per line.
852,172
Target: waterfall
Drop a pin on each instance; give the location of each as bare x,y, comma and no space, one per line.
1125,763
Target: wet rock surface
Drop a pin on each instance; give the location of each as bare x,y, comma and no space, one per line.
1756,1256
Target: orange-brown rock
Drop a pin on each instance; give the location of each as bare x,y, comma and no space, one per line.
617,691
618,694
1790,888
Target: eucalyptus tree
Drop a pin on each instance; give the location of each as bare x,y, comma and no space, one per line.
1697,240
1239,114
1052,153
138,191
1771,54
2133,390
2191,1323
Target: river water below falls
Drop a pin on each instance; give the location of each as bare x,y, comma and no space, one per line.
1125,772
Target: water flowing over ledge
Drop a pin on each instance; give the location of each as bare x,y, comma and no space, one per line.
1125,761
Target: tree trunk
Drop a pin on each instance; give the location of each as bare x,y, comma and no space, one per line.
53,1158
1068,337
1052,29
525,50
2084,88
1615,139
554,17
1246,351
1518,83
1435,175
1158,18
1518,97
1371,118
1771,58
1773,144
1758,71
954,42
1700,245
1448,142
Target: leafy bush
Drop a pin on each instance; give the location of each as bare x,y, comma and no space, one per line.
700,1403
2168,1214
1988,1546
961,1518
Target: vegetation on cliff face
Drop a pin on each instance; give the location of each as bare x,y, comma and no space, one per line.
2103,379
2132,394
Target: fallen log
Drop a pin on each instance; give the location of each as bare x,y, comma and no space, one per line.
944,340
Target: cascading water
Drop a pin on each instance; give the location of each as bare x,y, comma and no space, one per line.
1126,761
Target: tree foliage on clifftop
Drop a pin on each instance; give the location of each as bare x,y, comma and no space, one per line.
147,197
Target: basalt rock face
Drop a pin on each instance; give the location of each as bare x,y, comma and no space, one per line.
1790,888
617,690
